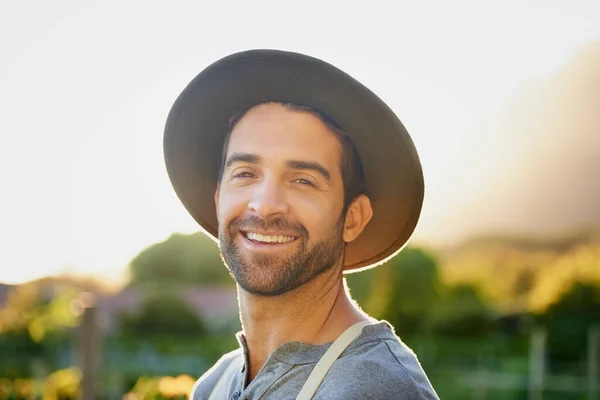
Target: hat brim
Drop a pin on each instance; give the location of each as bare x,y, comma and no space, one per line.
199,120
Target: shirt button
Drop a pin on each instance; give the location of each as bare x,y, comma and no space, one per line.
235,395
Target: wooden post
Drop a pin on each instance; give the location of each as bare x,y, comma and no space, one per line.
593,361
89,349
537,367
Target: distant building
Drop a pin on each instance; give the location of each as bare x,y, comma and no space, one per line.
217,306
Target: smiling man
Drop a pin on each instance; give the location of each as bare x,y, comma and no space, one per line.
280,200
303,175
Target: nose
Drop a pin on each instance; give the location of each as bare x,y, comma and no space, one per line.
268,198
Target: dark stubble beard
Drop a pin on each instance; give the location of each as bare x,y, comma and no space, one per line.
272,275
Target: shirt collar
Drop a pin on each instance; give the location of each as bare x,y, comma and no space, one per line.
298,353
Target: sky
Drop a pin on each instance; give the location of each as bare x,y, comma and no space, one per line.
85,87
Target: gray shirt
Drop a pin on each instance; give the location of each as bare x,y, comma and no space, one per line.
377,365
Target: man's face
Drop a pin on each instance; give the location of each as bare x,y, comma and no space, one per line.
280,200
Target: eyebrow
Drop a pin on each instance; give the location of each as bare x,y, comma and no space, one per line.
242,157
295,164
314,166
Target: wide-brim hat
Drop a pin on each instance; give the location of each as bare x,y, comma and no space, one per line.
199,121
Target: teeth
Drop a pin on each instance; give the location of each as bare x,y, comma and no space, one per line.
257,237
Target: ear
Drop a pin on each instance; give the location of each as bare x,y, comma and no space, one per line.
358,216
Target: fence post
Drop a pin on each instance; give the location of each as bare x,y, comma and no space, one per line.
537,367
89,349
593,360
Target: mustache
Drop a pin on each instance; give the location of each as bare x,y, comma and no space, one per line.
280,224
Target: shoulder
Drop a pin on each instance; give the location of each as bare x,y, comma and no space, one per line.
378,366
206,383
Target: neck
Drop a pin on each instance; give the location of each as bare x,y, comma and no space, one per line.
315,313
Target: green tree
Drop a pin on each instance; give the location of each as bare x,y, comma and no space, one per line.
569,319
361,286
462,313
412,285
180,259
162,314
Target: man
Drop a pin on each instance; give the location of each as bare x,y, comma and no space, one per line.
303,174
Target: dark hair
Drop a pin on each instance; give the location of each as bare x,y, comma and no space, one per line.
351,167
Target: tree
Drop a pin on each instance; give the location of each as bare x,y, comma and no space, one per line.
180,259
413,284
462,313
569,319
162,314
361,286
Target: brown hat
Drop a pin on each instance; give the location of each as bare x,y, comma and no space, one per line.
199,120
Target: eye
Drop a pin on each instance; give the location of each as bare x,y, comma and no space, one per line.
244,174
304,182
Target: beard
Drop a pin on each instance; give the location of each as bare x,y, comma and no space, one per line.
272,275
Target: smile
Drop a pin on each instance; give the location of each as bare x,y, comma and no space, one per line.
257,237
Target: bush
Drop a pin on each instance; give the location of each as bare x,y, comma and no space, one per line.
162,314
462,314
569,320
161,388
63,385
60,385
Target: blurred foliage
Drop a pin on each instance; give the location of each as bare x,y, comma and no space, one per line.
462,313
63,384
162,314
27,312
522,274
498,278
408,292
412,288
181,258
580,265
361,286
570,318
59,385
462,310
164,387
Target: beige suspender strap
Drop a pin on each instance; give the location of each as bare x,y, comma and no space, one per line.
324,365
220,391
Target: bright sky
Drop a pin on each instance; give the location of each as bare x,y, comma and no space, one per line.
85,87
